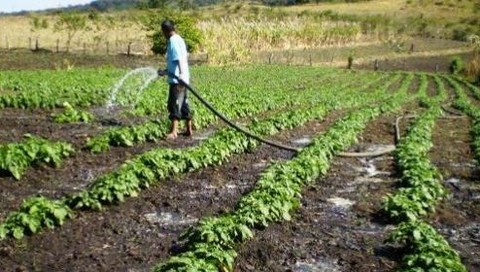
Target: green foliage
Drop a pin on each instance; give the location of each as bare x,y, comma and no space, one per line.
34,214
152,166
15,158
71,115
350,62
277,192
427,250
419,177
421,190
71,23
38,23
456,65
50,88
185,26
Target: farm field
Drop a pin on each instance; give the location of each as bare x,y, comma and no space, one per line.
106,192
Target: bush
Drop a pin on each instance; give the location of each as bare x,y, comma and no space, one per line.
185,27
456,65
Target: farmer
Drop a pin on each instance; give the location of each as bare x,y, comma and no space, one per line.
177,64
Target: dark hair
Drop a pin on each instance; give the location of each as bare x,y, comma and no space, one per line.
168,26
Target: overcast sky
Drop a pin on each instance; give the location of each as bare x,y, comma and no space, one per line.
18,5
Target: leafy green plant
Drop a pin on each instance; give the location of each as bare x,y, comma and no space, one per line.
15,158
157,164
456,65
427,250
420,192
34,214
71,115
277,192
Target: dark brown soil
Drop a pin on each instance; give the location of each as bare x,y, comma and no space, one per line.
135,234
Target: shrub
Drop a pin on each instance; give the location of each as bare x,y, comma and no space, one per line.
456,65
185,26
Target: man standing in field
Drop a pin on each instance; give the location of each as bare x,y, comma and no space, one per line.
177,64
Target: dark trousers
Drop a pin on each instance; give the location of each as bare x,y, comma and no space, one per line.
177,104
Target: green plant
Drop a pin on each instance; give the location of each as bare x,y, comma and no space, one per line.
427,250
72,23
35,214
15,158
71,115
277,192
185,25
456,65
350,62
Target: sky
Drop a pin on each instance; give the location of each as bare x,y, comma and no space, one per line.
18,5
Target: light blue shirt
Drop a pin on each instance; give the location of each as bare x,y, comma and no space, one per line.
176,51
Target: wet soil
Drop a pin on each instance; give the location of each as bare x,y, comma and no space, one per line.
142,231
458,217
334,230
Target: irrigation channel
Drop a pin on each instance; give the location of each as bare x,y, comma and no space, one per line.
338,224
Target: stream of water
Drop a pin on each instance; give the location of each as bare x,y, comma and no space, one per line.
149,74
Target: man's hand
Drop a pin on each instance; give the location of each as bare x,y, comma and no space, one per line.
162,72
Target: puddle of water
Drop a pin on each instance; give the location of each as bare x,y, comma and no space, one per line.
208,189
363,180
302,141
341,202
169,218
370,169
259,165
370,229
317,266
203,136
453,180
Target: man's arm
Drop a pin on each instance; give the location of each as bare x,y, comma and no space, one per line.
182,66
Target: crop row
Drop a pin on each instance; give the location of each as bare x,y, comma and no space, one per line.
15,158
420,191
233,88
463,104
210,246
49,89
267,99
157,164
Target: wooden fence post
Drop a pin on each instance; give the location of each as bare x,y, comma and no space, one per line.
30,43
375,65
129,48
7,43
37,46
108,49
58,45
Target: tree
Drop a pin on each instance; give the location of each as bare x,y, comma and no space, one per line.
71,23
157,3
37,24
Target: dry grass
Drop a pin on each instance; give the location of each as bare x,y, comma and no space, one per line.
17,33
235,30
449,9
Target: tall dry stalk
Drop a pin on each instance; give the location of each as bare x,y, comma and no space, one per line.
232,40
473,66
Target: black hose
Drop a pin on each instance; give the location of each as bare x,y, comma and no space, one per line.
230,123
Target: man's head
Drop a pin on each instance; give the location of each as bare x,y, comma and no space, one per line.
168,28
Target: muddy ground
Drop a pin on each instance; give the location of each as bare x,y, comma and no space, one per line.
337,227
